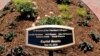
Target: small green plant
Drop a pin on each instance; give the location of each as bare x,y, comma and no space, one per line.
83,22
12,24
81,12
17,51
1,49
50,20
3,13
66,15
89,17
95,36
9,36
63,7
26,8
85,46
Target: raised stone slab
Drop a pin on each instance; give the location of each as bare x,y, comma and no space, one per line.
3,3
94,5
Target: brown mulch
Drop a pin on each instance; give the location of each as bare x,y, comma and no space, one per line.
46,6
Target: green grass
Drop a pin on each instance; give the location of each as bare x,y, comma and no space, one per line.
63,7
81,12
66,15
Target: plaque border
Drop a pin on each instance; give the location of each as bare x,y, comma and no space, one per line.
52,26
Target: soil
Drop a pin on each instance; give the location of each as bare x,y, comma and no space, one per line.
44,7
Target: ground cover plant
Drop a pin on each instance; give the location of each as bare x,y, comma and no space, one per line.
1,49
51,20
81,12
9,36
85,46
83,22
95,36
89,16
65,14
17,51
26,8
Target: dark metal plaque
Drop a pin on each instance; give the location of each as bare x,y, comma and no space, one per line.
50,37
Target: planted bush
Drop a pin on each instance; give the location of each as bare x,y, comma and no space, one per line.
3,13
26,8
1,49
95,36
9,36
66,15
89,16
85,46
51,20
17,51
12,24
81,12
83,22
63,7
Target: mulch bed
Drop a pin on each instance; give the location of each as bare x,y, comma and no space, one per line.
44,7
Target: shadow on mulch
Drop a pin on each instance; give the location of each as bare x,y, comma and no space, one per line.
21,18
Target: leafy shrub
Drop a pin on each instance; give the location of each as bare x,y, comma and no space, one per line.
12,24
66,15
89,17
63,7
1,49
83,22
9,36
26,8
50,20
85,46
64,1
95,36
81,12
17,51
3,13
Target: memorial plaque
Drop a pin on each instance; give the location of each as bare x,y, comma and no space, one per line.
50,37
